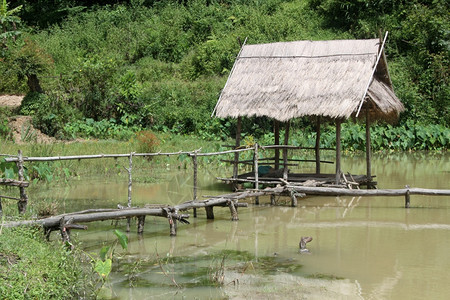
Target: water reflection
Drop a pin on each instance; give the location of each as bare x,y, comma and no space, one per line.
382,250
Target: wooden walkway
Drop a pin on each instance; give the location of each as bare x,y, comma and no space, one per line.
286,184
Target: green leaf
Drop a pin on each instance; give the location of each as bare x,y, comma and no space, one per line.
123,239
103,252
9,173
103,268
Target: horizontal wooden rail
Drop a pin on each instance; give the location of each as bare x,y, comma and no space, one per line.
386,192
12,182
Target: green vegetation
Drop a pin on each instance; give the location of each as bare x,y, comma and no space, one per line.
111,70
39,270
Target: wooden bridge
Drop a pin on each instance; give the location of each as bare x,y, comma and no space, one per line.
283,185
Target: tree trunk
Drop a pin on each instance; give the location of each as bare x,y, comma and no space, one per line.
33,83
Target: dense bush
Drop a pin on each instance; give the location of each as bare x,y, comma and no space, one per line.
161,64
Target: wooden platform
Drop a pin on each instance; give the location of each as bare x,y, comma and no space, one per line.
304,179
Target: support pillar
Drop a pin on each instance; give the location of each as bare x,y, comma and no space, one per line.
338,151
368,151
276,132
317,146
233,210
255,166
236,154
173,225
285,151
141,222
209,212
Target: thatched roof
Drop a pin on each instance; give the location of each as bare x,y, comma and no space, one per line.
304,78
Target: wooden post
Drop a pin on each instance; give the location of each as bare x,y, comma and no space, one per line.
1,209
368,150
209,212
293,199
272,199
22,203
236,154
317,147
338,151
194,160
234,214
173,225
141,222
276,129
285,151
407,198
255,164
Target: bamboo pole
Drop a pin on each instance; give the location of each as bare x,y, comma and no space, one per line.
338,151
236,154
317,148
380,52
255,157
285,153
276,129
22,203
368,150
95,156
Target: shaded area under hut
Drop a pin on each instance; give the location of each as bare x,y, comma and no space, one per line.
327,81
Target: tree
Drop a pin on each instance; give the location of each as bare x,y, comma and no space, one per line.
8,22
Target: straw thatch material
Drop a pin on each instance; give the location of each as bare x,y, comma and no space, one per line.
294,79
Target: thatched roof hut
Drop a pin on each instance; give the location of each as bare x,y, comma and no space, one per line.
310,78
334,79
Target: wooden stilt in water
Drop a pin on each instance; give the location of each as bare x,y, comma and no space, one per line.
368,150
407,198
236,154
173,225
233,210
209,212
276,130
272,200
140,226
22,203
317,146
255,166
293,199
338,151
285,158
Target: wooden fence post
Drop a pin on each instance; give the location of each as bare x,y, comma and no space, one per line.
194,161
22,204
407,198
130,183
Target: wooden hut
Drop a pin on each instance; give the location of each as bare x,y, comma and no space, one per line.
335,79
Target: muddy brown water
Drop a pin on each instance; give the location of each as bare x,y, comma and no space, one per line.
362,248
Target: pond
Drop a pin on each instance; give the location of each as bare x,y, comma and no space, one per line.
362,248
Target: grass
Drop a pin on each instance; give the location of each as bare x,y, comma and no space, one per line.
41,270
